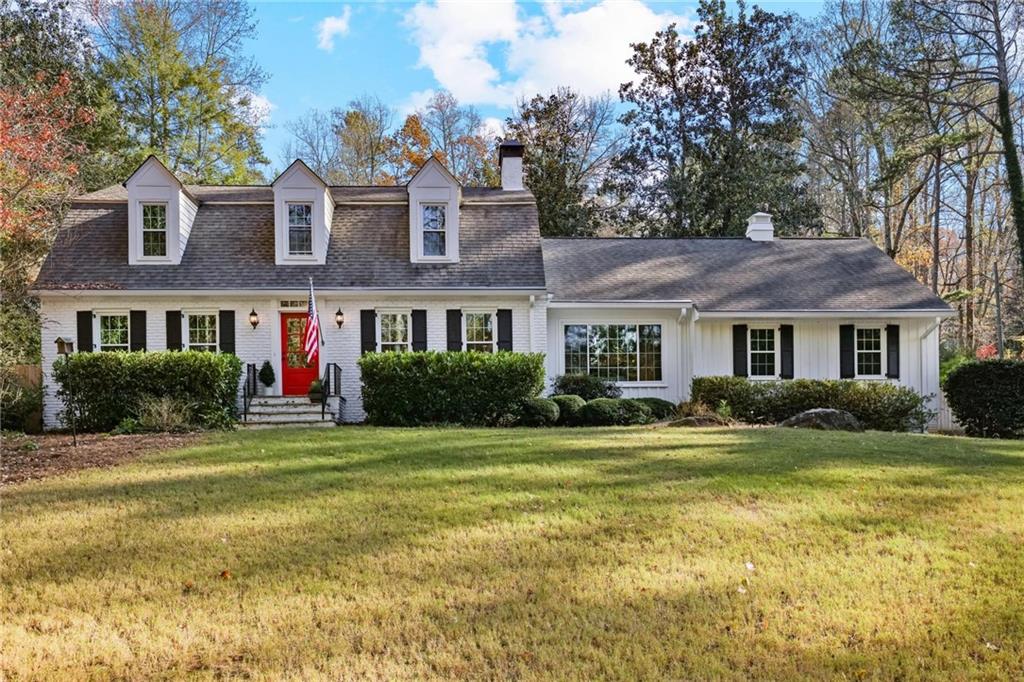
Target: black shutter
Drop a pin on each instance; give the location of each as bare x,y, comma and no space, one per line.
137,324
173,330
504,329
847,359
419,330
84,320
368,331
454,324
892,351
739,350
227,331
786,345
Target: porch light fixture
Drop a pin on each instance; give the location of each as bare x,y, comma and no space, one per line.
65,347
254,318
339,318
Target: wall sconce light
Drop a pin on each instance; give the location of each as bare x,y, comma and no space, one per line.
65,347
254,319
339,318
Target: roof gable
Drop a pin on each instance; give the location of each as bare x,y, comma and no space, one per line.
433,173
297,166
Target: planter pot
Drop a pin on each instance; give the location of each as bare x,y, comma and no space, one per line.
262,389
315,397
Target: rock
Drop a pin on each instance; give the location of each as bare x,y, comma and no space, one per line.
825,420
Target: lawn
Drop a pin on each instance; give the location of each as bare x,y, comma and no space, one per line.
524,554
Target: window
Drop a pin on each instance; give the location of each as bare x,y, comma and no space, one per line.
869,352
434,220
154,230
479,331
300,229
616,352
114,332
393,332
762,353
202,331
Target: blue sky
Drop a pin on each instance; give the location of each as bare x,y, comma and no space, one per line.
323,54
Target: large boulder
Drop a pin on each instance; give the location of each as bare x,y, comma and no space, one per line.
825,420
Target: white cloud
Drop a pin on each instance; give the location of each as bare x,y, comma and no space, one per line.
492,53
260,109
492,127
330,28
415,101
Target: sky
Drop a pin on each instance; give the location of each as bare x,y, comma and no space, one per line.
321,55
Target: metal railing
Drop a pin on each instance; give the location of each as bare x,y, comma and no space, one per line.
330,387
248,389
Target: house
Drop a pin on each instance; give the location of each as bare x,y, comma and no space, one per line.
156,264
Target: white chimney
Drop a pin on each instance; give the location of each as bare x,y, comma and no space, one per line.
760,228
510,160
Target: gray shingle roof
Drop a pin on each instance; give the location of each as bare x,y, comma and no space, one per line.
734,274
232,247
264,193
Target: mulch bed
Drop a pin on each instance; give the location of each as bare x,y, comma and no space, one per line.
28,457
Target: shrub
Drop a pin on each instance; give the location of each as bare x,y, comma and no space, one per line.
455,387
585,386
538,412
104,388
266,375
987,397
614,412
164,414
660,408
18,402
569,407
881,406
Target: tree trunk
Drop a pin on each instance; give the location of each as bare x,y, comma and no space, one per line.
937,191
1013,172
970,184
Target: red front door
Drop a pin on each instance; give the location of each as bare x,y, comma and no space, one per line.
297,374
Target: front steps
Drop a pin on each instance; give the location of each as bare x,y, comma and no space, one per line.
274,411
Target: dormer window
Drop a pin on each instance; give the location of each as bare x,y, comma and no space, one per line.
434,230
300,229
154,230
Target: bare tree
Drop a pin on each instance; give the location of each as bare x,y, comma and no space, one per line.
365,143
315,142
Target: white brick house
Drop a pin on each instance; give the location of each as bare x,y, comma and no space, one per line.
155,265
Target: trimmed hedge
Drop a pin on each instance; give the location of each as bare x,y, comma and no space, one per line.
569,407
453,387
614,412
585,386
107,388
881,406
538,412
660,408
987,397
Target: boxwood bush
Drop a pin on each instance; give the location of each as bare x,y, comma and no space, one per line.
987,397
614,412
538,412
569,407
585,386
660,408
452,387
107,388
878,405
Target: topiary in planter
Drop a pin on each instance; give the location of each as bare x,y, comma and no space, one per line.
569,407
266,374
538,412
660,408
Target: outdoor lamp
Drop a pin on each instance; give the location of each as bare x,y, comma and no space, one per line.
254,319
65,347
339,318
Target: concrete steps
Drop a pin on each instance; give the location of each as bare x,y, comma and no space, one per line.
276,411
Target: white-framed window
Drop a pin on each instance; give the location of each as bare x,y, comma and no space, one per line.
394,331
113,331
478,330
869,349
623,353
435,230
154,230
201,331
762,352
300,228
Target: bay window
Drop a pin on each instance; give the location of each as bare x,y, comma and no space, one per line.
615,352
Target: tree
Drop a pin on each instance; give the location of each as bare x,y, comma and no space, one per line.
570,142
412,148
315,142
457,139
184,86
712,128
366,146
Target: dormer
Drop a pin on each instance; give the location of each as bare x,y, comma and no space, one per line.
434,197
160,215
303,211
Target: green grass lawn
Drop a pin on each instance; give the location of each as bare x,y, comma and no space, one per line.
592,553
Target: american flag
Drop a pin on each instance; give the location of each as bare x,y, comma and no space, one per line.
311,342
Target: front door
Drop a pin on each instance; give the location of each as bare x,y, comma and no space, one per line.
297,374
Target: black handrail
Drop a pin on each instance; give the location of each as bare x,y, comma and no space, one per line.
248,390
330,387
